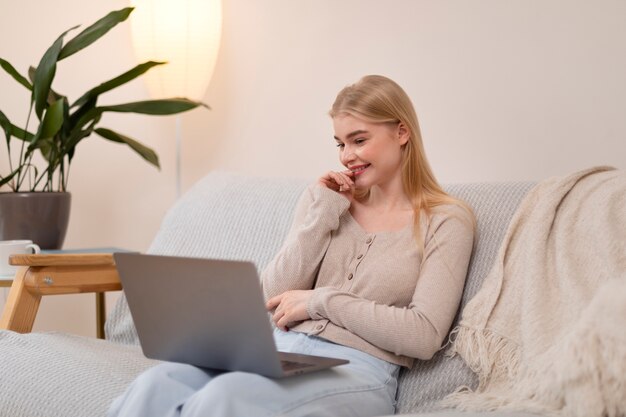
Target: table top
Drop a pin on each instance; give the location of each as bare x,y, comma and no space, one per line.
77,257
45,259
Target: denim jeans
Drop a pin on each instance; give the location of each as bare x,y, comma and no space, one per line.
364,387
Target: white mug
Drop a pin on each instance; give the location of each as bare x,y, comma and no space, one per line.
12,247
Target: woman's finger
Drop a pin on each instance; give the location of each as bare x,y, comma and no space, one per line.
338,181
283,324
276,317
328,181
349,174
273,302
346,183
341,180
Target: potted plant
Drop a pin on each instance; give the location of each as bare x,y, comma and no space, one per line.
37,205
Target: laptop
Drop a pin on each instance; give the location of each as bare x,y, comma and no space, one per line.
208,313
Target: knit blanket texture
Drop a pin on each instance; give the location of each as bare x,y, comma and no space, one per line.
546,333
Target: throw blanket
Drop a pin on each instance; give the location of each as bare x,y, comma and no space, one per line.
546,333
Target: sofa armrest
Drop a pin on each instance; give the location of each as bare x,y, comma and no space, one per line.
50,274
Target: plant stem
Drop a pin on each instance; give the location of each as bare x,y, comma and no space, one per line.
61,174
66,176
30,163
20,179
10,161
39,180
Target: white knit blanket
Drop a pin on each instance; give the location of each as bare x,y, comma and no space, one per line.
546,333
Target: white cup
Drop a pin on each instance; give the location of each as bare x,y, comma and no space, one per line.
13,247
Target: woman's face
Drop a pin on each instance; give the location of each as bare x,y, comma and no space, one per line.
372,151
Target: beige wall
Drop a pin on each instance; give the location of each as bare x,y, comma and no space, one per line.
505,90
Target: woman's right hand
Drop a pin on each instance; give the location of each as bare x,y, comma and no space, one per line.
340,182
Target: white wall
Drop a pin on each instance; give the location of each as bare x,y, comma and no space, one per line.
505,90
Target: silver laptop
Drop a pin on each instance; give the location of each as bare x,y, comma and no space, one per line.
207,313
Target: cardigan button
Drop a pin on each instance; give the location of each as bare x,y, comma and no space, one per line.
319,327
360,256
350,276
368,241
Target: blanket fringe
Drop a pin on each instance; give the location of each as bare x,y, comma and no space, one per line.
582,375
492,357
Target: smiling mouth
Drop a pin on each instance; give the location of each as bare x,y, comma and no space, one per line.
360,169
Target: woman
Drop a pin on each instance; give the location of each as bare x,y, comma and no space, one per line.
372,271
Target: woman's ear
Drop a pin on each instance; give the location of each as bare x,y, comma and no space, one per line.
402,133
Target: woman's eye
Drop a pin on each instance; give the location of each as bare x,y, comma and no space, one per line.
359,141
340,145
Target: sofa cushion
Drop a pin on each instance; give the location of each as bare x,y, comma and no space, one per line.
60,375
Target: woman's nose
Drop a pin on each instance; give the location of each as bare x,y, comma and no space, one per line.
347,155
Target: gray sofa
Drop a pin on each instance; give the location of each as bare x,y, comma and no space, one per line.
225,216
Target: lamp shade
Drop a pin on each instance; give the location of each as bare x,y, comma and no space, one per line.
186,34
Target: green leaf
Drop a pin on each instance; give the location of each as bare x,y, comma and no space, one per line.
53,120
92,118
94,32
152,107
44,74
45,148
145,152
5,123
52,95
156,107
11,130
80,119
13,73
67,121
116,82
49,126
21,133
70,146
4,180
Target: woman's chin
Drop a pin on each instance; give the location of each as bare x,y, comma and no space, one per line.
362,183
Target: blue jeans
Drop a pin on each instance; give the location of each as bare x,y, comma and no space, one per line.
364,387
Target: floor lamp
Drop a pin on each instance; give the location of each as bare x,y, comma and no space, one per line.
186,34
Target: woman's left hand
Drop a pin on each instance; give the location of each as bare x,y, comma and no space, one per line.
289,307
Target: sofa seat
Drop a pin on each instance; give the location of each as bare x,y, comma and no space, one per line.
51,374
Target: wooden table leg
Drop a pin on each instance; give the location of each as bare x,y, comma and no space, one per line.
100,314
21,307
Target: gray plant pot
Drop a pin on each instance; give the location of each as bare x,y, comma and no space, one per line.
40,217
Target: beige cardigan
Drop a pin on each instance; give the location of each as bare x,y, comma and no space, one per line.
373,291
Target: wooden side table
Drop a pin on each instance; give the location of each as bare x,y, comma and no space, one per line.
50,274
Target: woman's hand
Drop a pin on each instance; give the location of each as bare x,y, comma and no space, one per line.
289,307
340,182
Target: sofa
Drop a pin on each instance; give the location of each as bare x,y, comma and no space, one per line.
226,216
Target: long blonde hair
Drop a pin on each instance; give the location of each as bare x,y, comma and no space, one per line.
378,99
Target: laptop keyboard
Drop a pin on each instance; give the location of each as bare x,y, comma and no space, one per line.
290,366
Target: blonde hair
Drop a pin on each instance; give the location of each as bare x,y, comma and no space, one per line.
378,99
